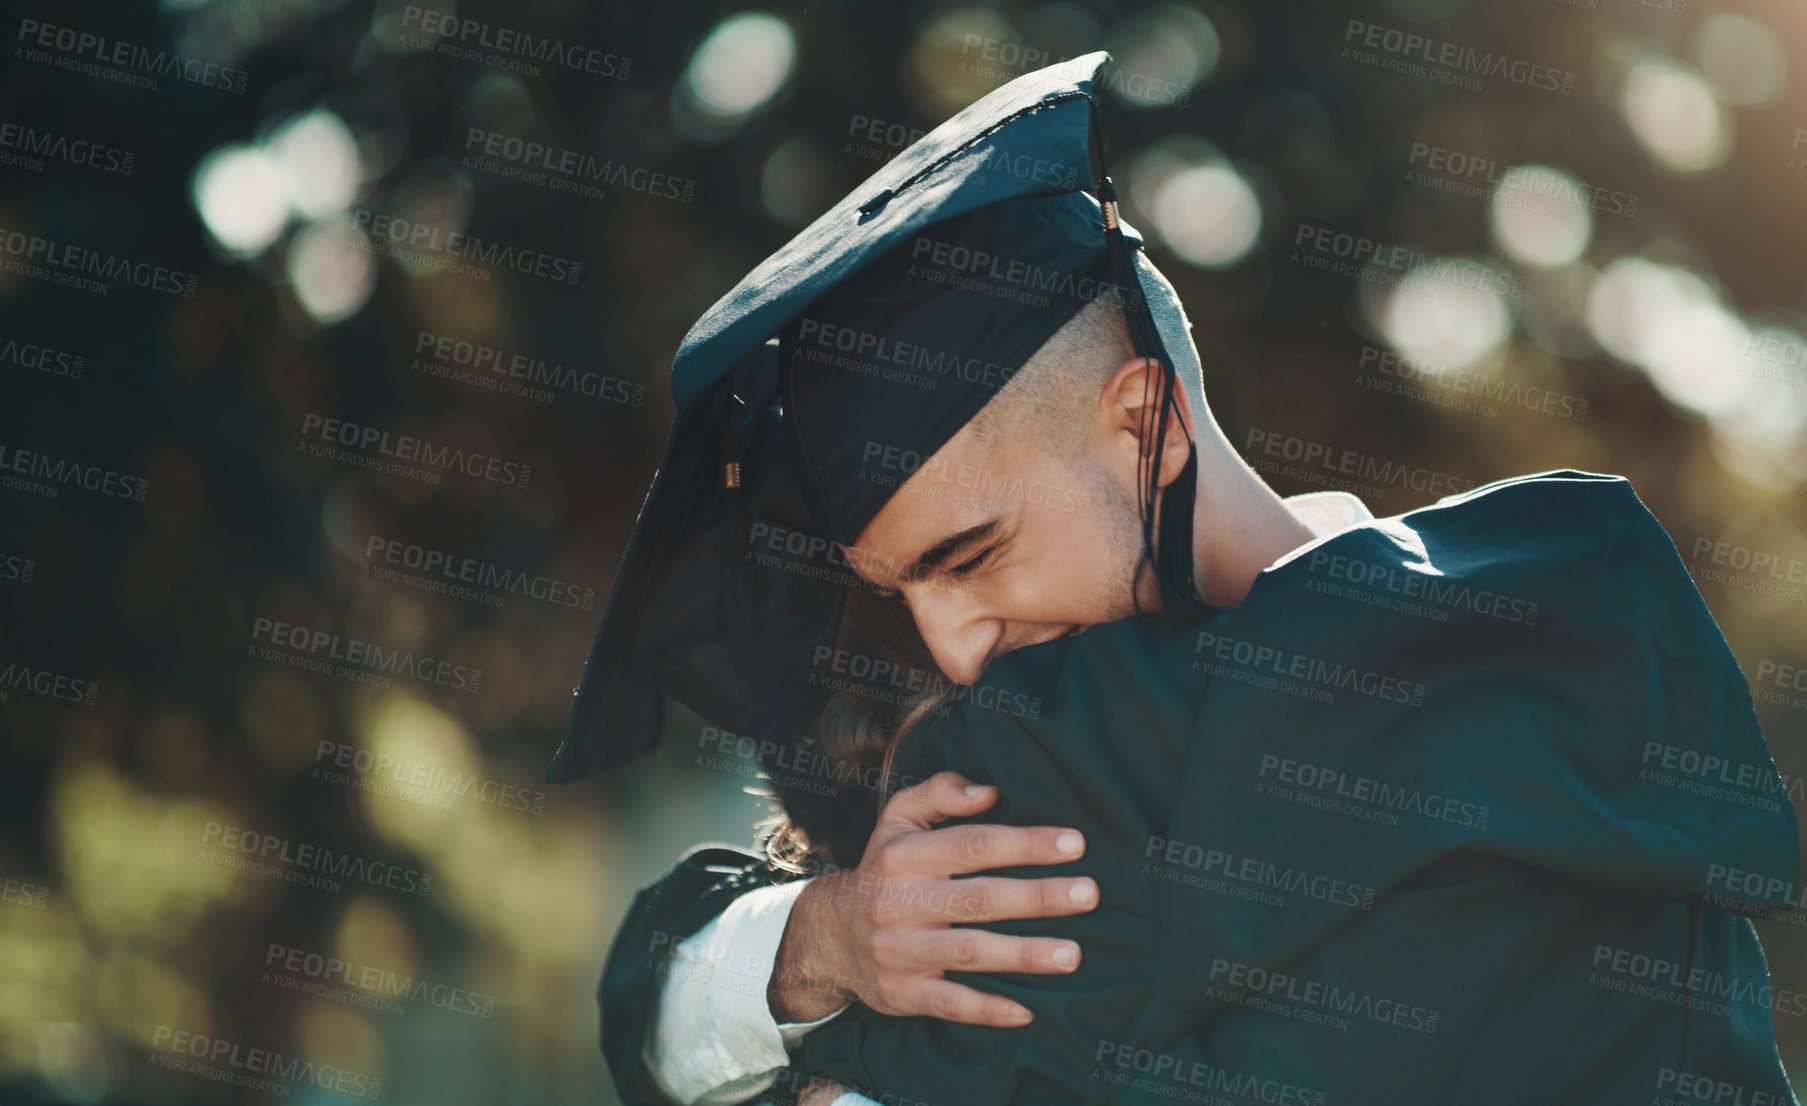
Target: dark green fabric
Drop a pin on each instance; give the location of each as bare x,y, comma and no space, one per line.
1505,897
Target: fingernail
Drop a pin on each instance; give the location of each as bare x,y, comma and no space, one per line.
976,789
1066,956
1069,842
1082,894
1019,1013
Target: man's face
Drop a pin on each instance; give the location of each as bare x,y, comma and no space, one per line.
998,545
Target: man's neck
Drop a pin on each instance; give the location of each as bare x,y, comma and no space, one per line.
1239,527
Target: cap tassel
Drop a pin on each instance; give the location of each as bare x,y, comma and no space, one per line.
730,457
1170,539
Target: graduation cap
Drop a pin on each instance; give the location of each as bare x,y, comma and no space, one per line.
885,324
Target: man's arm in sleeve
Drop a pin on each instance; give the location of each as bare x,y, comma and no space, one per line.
713,1040
663,916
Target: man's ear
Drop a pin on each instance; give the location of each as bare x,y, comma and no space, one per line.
1125,408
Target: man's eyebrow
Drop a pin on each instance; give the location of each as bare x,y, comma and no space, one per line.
934,555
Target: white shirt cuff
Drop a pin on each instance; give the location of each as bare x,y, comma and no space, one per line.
714,1041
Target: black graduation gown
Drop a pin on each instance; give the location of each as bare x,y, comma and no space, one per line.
1463,805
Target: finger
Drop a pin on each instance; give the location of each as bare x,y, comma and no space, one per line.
956,1002
976,950
960,850
983,899
942,796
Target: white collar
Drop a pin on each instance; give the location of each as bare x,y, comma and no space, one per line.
1324,513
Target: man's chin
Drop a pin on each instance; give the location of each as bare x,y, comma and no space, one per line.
1073,630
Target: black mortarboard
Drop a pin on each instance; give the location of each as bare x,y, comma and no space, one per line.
941,275
897,358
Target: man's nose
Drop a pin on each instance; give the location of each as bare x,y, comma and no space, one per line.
958,638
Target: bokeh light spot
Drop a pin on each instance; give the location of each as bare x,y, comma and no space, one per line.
318,159
1447,312
1539,216
1743,58
1675,115
740,66
242,198
1207,214
330,270
1160,56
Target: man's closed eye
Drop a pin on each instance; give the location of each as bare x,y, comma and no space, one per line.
962,570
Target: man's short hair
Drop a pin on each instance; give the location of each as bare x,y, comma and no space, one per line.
1050,393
